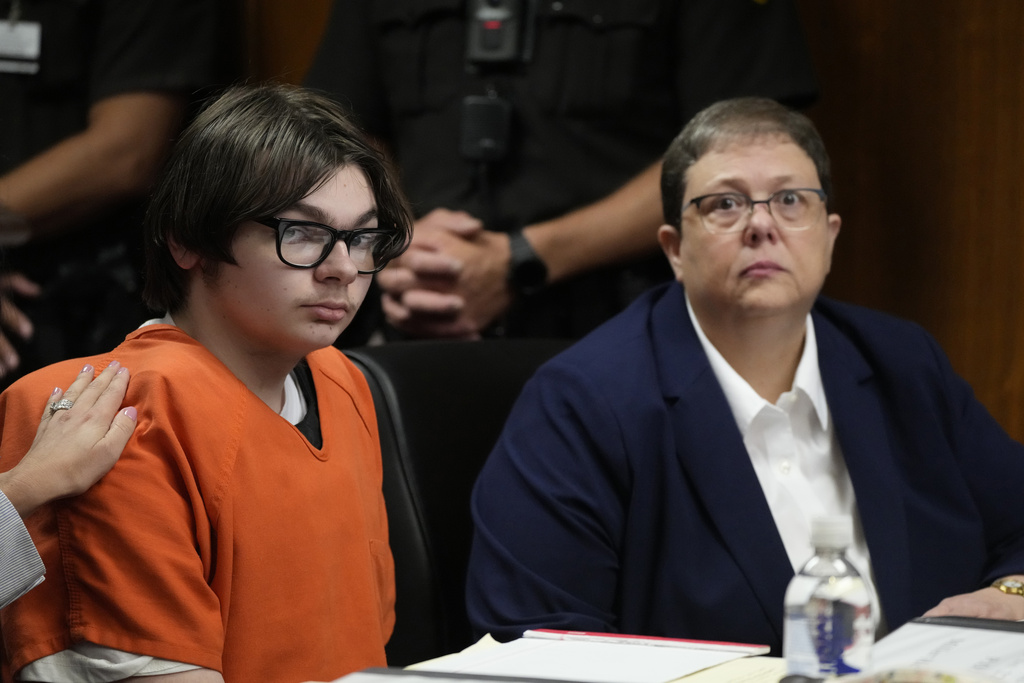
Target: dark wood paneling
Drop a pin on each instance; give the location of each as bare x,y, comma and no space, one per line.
923,112
282,37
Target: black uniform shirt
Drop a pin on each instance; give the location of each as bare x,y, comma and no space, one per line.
607,86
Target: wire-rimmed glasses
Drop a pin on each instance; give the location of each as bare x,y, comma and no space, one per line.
725,212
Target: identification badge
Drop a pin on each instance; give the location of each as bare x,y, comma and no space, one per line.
20,44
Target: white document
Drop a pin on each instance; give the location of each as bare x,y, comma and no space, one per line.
984,652
577,660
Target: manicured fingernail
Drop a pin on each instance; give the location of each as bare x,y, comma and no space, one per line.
121,371
56,390
114,364
88,368
132,414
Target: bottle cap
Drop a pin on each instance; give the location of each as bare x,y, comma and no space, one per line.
835,532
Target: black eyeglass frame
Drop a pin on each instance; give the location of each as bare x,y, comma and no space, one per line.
754,202
279,225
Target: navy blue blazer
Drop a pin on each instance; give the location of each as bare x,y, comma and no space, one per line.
620,496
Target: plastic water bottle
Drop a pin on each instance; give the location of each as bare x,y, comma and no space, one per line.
829,628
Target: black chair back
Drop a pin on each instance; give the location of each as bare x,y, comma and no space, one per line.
440,407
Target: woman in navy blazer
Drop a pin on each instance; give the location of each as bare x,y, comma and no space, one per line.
621,495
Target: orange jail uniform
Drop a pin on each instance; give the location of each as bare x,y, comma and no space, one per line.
222,537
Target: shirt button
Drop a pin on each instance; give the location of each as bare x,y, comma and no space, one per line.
784,467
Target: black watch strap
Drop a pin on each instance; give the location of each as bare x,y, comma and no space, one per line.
527,273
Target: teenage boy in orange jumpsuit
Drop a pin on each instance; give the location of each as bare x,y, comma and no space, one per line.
242,536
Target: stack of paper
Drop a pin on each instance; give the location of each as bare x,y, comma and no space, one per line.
964,649
594,657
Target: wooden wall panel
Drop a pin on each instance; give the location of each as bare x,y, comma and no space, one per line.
923,113
281,37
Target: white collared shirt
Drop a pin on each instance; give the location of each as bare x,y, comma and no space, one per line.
794,451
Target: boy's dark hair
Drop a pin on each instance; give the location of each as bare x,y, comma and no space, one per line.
253,152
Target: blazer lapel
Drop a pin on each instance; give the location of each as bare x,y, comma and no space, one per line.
711,451
860,426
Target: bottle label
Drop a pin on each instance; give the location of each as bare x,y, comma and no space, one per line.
831,633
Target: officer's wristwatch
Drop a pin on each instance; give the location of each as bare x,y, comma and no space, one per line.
527,274
1010,586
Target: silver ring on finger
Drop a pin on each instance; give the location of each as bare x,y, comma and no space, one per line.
63,404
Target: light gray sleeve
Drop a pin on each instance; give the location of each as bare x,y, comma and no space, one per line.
21,568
